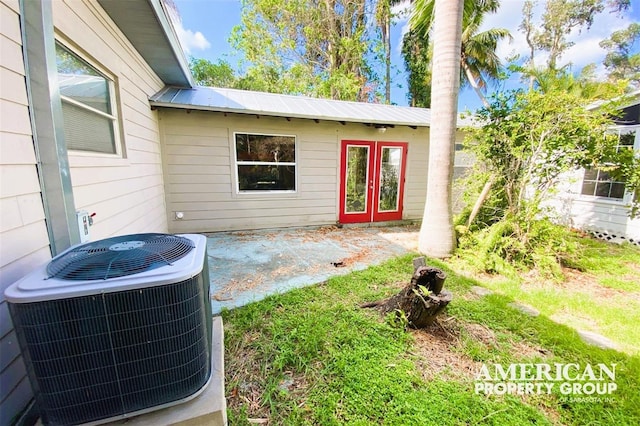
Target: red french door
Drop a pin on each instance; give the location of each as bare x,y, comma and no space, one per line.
371,181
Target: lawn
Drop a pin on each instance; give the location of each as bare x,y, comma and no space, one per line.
312,356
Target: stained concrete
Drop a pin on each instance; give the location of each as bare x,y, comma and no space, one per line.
248,266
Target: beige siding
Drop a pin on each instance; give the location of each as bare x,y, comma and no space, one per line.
200,171
125,191
23,235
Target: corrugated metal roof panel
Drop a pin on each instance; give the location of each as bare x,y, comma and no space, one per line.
261,103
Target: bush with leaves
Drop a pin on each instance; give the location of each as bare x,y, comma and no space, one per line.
527,142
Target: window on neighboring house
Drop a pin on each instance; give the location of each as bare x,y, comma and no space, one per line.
265,162
599,183
90,123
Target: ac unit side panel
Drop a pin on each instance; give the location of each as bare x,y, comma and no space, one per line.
110,355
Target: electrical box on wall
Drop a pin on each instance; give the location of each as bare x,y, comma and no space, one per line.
85,220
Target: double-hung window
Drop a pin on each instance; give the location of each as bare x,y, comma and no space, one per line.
88,107
265,162
600,183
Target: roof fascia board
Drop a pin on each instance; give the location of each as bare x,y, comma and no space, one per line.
172,38
171,66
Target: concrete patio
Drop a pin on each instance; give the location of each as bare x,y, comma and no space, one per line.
247,266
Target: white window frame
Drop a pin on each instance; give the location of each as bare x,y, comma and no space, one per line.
113,102
626,198
265,163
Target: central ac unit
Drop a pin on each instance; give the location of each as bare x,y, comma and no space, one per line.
116,328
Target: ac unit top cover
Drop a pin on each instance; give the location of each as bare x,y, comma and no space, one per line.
114,264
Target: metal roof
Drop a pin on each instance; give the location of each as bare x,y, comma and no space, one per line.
290,106
147,26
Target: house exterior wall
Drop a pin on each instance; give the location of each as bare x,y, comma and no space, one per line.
590,213
125,191
23,234
200,171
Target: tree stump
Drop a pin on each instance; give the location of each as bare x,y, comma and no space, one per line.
421,300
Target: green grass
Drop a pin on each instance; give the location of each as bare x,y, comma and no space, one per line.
604,298
313,357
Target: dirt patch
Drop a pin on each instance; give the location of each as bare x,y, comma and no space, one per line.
634,266
527,351
436,347
580,282
481,333
440,349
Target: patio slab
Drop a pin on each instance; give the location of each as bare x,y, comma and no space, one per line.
247,266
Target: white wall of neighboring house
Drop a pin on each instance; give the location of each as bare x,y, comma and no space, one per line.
126,191
591,213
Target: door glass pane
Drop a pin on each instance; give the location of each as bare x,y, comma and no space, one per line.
357,175
389,179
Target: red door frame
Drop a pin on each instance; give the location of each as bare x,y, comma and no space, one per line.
371,213
365,216
396,214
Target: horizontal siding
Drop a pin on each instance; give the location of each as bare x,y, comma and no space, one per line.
591,213
604,216
23,236
126,192
200,176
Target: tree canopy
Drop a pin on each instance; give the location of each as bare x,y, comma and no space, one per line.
312,47
479,62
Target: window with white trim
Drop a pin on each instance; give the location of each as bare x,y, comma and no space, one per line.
90,123
599,183
265,162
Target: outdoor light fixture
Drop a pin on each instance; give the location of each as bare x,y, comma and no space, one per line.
381,128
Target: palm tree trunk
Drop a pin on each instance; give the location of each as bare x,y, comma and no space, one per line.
437,237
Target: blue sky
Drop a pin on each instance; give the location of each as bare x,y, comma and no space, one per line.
206,25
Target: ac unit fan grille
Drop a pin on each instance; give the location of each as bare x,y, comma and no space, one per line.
119,256
101,356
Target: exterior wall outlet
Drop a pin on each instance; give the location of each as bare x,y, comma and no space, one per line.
84,222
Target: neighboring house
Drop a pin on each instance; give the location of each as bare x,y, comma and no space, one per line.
98,113
592,201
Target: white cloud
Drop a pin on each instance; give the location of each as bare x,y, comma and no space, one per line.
189,39
192,40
